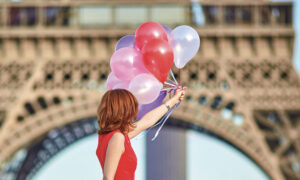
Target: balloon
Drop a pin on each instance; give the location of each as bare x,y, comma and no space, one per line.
185,42
125,41
126,63
148,31
135,47
121,85
144,108
158,58
145,87
112,80
167,30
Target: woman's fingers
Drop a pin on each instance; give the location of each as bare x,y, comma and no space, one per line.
182,96
180,93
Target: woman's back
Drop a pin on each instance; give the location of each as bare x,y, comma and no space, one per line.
128,161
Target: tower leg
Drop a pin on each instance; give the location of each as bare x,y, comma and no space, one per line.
166,155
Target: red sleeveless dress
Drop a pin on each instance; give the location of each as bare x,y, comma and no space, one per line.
128,161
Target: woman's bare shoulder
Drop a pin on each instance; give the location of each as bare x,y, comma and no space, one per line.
117,137
117,141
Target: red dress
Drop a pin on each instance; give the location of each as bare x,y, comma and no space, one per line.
128,161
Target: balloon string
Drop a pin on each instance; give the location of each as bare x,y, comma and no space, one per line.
171,72
169,84
167,115
167,89
179,76
164,120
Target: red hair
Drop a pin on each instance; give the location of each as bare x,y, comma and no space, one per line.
117,109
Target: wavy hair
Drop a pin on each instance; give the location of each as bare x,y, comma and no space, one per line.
117,110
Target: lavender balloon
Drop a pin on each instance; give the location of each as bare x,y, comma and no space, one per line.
145,87
185,42
126,63
125,41
144,108
167,29
112,80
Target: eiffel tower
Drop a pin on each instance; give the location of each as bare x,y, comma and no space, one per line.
242,84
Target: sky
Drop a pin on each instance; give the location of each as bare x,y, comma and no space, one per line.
296,22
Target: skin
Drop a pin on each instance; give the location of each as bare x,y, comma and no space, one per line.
116,148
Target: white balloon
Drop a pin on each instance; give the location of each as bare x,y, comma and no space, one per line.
185,43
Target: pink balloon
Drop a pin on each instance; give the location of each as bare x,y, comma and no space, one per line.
145,87
112,80
121,85
126,63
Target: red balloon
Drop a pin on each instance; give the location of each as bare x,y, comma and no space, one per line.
158,58
148,31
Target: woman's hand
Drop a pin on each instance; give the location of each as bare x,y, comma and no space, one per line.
179,95
180,92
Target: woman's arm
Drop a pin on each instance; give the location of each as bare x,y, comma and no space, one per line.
115,149
156,114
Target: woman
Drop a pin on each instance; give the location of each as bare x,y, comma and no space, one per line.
116,113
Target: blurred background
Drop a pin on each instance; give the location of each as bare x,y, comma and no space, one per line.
240,119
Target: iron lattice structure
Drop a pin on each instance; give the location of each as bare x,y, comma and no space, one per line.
242,84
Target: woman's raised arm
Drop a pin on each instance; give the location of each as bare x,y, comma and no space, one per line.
156,114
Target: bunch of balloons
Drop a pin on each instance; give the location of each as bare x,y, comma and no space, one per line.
141,63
